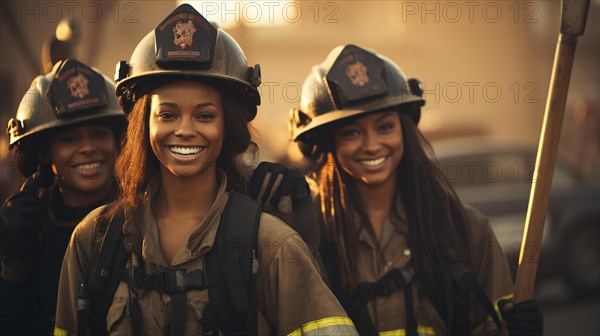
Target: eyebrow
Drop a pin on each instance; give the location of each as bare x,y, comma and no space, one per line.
197,106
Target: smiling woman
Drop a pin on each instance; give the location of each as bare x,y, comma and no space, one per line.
83,159
408,257
65,137
187,127
190,96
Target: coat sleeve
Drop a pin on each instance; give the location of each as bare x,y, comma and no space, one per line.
489,264
291,292
74,271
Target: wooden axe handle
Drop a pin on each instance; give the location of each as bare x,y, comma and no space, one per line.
573,19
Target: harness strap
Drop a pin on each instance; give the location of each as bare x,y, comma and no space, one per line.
395,280
411,321
136,316
469,281
110,256
178,313
176,281
230,267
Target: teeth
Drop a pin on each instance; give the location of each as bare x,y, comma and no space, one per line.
374,162
185,150
88,165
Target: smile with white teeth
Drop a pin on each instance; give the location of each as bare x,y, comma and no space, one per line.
374,162
91,165
185,150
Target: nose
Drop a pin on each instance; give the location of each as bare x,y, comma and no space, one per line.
185,128
88,145
370,143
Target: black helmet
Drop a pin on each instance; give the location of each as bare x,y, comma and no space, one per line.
70,94
186,46
350,82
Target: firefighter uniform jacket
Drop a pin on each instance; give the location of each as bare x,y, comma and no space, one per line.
292,297
388,313
28,307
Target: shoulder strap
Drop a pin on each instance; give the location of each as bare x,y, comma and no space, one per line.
468,282
108,262
232,267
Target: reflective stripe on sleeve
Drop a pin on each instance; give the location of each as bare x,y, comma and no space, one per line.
326,326
60,332
505,297
421,330
488,327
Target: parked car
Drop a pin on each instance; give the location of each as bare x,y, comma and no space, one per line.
495,177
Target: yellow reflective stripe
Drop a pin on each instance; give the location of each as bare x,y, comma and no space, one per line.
421,330
60,332
488,327
505,297
322,323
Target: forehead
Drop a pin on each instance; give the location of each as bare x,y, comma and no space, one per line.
186,91
81,128
371,118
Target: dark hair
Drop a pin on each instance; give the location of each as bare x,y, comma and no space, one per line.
137,163
430,205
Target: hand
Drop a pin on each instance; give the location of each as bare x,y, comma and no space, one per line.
272,183
21,222
284,192
522,319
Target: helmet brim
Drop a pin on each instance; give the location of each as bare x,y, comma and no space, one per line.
60,124
334,116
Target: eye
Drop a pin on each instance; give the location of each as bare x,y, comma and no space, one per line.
384,128
349,133
101,133
205,116
166,116
67,139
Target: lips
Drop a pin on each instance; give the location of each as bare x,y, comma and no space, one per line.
373,162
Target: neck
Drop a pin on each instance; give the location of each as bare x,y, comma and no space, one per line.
77,198
376,198
376,201
192,196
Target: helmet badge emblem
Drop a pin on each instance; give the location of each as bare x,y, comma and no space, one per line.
78,86
183,34
357,73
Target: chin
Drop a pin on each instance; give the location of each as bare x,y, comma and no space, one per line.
91,187
375,180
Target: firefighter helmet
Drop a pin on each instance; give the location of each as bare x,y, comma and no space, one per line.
351,82
72,93
186,46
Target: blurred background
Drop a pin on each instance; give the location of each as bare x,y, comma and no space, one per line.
485,68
